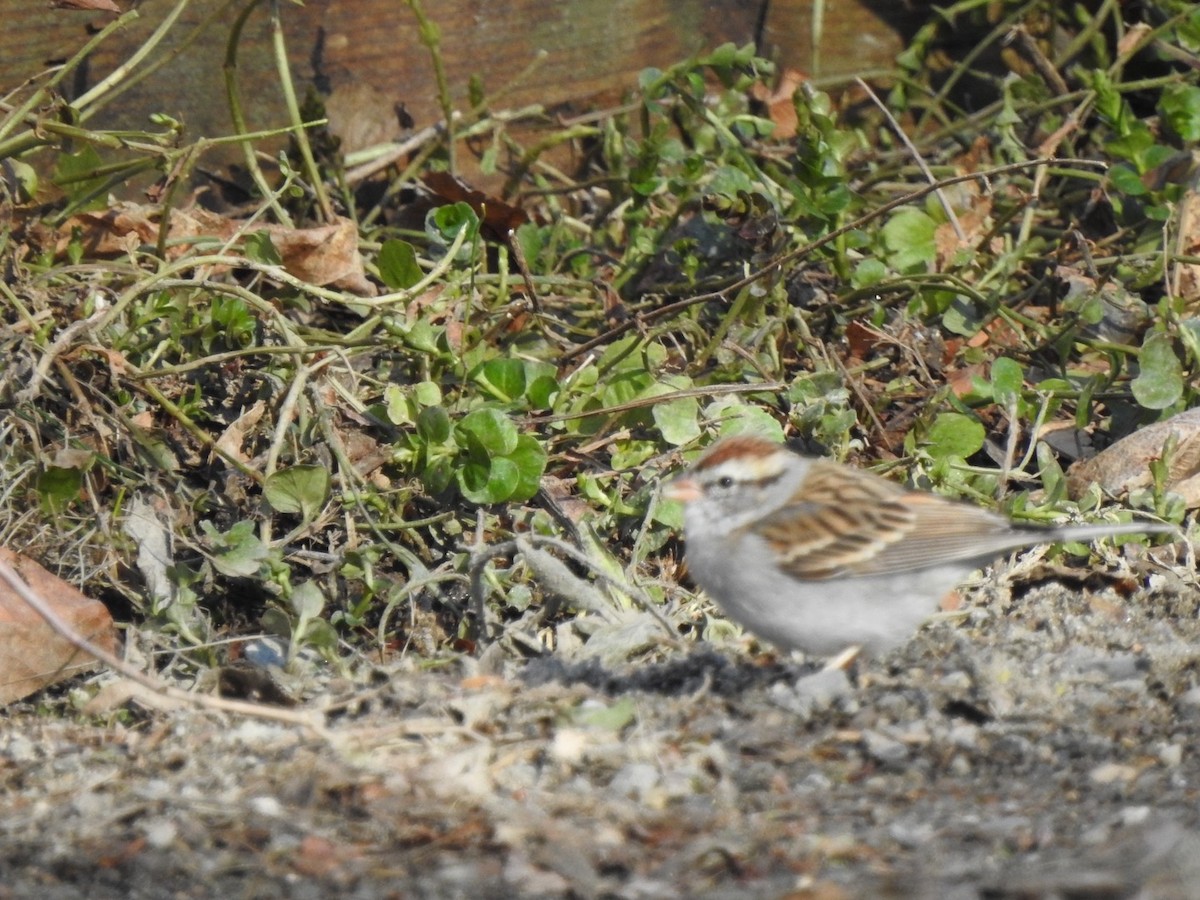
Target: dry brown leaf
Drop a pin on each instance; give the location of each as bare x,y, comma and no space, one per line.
32,655
323,255
326,255
1125,466
974,221
961,380
231,439
781,107
362,116
499,219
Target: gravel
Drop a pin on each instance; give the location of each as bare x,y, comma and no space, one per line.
1044,747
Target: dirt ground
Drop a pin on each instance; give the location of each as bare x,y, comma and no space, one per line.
1043,745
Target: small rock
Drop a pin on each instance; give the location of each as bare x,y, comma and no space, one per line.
813,693
1170,755
635,780
964,736
908,833
266,806
1110,772
160,832
884,749
20,749
1135,815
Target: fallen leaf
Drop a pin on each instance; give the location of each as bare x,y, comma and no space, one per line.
231,439
326,255
498,218
974,222
322,255
780,103
153,539
1132,39
362,116
32,655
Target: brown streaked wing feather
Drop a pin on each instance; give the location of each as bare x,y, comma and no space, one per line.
837,522
846,522
946,531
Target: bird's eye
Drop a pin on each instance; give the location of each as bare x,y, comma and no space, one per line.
725,482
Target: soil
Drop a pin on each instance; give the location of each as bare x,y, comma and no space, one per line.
1039,745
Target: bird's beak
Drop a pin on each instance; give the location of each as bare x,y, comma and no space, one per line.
681,490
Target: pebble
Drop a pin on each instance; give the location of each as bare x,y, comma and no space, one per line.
884,749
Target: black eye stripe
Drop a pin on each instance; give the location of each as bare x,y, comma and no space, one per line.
725,482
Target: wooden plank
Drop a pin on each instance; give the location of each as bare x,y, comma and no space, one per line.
593,50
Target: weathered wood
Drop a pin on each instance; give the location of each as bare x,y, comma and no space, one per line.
593,50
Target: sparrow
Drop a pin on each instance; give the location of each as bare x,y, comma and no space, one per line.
817,556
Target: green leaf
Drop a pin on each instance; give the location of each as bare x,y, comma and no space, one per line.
489,482
505,378
625,387
437,474
433,425
737,417
472,478
444,223
730,182
867,273
307,601
398,265
1180,106
1126,181
75,174
492,429
908,238
1109,102
530,460
299,490
954,435
321,635
503,478
259,248
239,552
398,405
541,391
607,718
1159,382
964,317
677,420
1053,479
25,179
1007,380
427,393
423,336
1187,32
58,487
275,621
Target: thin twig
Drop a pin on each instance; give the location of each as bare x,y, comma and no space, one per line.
920,161
671,309
313,720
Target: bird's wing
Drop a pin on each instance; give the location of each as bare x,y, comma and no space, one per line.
844,522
